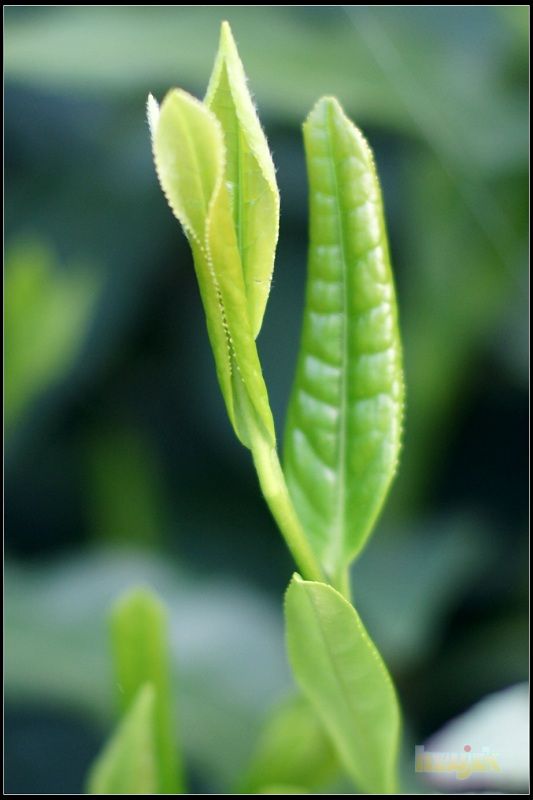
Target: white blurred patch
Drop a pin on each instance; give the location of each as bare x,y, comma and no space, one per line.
489,743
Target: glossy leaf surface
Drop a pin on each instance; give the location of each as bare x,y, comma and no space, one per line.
343,428
249,175
340,672
190,155
128,763
141,656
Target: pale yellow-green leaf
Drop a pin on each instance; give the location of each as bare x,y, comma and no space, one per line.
249,174
190,154
340,672
127,765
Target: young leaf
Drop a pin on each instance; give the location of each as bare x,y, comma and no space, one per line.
190,156
294,750
340,672
141,655
344,422
250,175
127,764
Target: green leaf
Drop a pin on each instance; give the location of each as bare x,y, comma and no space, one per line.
190,155
47,315
344,422
249,175
127,764
294,750
141,655
340,672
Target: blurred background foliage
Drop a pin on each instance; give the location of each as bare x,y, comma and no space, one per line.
120,463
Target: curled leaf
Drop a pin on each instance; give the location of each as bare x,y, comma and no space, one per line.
190,156
249,174
128,763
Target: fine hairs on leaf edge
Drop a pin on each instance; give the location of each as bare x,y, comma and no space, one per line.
329,104
245,110
153,110
297,579
153,113
228,55
347,605
337,105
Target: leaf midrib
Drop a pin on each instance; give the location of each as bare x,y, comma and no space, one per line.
340,679
337,537
239,192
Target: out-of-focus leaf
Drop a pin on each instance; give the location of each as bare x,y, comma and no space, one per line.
447,308
226,642
189,153
517,18
341,673
285,789
343,428
47,311
141,656
141,48
249,175
293,750
128,764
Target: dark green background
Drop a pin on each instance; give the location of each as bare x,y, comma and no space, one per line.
127,444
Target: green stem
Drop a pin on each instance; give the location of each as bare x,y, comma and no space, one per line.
342,584
274,488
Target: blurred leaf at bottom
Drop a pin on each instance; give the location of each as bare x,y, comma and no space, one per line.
141,655
128,762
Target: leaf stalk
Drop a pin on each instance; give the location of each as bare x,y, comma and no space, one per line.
276,494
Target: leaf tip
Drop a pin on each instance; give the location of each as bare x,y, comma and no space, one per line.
228,52
152,114
226,35
296,579
326,105
136,601
330,107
